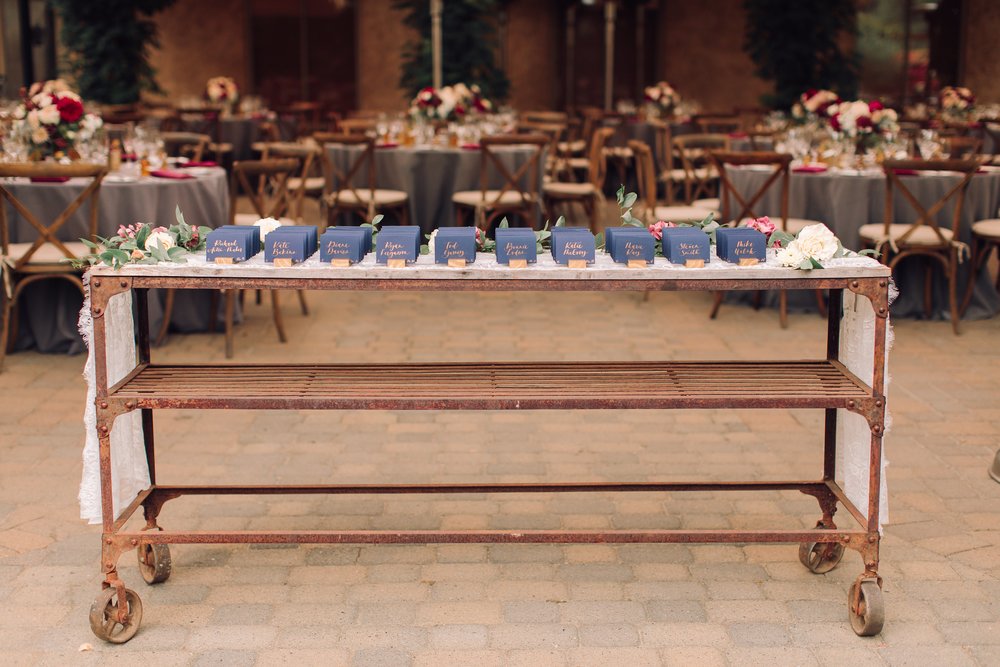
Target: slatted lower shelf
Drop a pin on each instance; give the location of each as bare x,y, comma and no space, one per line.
495,386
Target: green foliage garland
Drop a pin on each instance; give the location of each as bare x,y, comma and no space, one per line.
798,45
468,45
109,43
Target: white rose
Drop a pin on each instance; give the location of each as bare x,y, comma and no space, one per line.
818,242
164,240
790,255
40,135
49,115
266,225
20,112
430,242
42,100
33,121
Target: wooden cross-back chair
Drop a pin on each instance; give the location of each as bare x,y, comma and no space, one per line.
305,116
518,195
356,190
649,208
185,144
305,183
961,147
24,263
691,152
925,237
206,120
589,193
555,161
748,207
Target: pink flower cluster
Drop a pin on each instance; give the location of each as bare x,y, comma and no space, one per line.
657,228
130,231
764,226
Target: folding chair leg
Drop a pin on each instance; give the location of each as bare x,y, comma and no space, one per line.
213,309
279,324
783,308
716,304
230,296
168,310
302,302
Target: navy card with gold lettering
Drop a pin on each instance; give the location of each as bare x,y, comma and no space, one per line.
288,247
516,244
455,245
573,245
685,245
368,234
630,247
231,246
343,244
400,243
740,244
611,232
308,230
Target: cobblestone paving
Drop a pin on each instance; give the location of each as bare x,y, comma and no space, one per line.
514,604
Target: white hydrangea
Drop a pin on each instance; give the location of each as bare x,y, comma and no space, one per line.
267,225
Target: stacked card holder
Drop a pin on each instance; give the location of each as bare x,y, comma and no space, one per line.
630,244
348,244
232,244
400,242
294,243
685,244
571,244
367,229
455,243
516,244
740,245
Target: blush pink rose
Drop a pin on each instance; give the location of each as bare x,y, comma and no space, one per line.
657,229
762,225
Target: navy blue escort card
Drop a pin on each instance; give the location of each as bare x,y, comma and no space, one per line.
231,245
289,247
342,246
309,230
455,246
573,246
636,250
611,232
740,245
516,246
368,234
686,245
397,245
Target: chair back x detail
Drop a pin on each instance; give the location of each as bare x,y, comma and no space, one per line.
265,183
781,162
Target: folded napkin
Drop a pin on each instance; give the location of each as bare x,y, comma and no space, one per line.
205,163
906,172
170,173
810,169
49,179
388,144
738,135
471,147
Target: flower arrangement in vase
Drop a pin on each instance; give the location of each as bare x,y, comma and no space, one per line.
222,90
957,103
50,120
661,99
869,123
449,102
812,105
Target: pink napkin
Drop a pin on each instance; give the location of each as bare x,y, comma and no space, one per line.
170,173
49,179
205,163
388,144
738,135
471,147
906,172
810,169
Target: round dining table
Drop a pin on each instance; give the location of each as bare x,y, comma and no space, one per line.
48,309
242,132
431,175
845,200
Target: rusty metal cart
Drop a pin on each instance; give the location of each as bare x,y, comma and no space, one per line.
823,383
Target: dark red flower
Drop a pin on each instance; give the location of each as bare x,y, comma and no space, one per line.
70,110
835,123
864,121
875,105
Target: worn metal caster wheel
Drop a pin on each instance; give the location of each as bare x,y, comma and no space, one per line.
154,562
104,616
868,614
820,557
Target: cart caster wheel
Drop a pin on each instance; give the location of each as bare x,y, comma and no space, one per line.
154,562
869,617
104,616
820,557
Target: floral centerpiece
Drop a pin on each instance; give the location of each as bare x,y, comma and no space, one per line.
142,243
813,104
51,120
870,123
661,99
222,90
450,102
957,103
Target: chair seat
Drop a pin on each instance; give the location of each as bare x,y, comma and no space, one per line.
313,184
701,173
475,198
247,219
578,163
46,254
989,229
381,197
923,236
619,152
560,189
709,204
680,213
577,146
222,147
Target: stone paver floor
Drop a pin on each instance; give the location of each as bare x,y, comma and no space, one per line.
514,604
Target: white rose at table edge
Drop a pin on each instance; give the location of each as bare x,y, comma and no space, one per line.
162,239
266,226
813,245
430,242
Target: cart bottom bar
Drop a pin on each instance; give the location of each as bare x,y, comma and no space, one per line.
488,537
